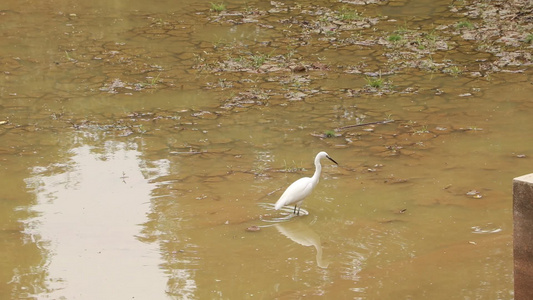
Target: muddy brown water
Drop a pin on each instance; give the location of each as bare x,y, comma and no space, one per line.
143,146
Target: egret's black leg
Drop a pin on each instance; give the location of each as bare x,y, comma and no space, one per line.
295,209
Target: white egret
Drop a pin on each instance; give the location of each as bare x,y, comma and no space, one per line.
301,188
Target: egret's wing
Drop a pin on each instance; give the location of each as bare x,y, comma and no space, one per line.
297,191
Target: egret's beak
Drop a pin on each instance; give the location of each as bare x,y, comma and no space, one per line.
332,160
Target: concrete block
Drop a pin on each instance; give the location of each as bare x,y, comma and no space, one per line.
523,236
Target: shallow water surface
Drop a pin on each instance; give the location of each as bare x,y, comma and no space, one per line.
82,241
144,147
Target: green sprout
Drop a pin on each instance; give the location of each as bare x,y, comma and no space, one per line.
465,24
155,80
329,133
346,14
529,38
394,38
375,82
218,7
453,70
423,130
259,59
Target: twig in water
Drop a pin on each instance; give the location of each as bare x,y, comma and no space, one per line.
363,124
274,191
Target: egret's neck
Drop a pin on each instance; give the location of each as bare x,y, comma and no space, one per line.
318,169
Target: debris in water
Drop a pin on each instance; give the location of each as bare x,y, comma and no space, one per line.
253,228
486,229
474,194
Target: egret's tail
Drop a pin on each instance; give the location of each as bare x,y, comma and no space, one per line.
278,205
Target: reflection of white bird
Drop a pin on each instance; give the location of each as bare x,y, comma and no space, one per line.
302,234
301,188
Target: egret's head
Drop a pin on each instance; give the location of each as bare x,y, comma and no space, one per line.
323,154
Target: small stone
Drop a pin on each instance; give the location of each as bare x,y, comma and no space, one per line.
299,68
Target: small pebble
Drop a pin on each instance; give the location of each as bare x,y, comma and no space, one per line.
299,68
